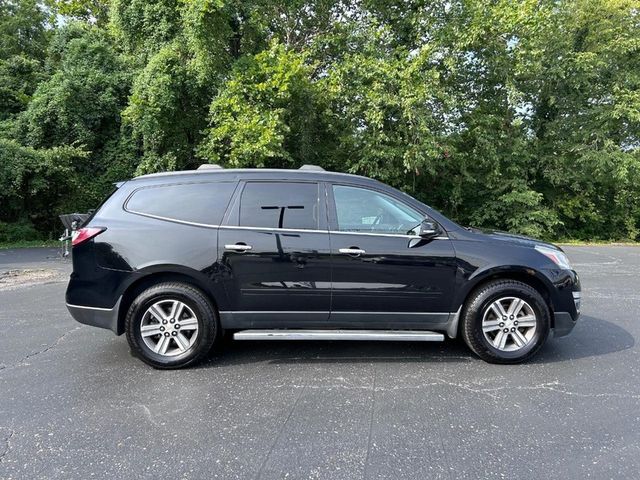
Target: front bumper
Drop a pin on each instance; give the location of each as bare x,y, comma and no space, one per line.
565,299
97,317
563,323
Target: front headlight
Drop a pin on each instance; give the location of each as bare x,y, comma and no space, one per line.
556,256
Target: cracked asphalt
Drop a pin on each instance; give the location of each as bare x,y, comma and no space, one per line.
75,404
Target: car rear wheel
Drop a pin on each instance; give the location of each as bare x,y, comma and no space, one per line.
505,321
171,325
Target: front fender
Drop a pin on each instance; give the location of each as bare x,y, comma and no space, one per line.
471,281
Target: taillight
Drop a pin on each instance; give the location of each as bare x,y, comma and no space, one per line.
83,234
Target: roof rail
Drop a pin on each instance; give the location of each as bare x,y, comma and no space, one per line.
210,166
315,168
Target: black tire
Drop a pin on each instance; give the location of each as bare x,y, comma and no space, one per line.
207,320
481,299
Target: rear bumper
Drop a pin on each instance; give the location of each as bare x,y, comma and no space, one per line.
97,317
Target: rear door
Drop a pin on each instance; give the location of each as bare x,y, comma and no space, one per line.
384,274
275,251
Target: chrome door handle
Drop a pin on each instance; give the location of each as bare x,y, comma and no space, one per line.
352,251
238,247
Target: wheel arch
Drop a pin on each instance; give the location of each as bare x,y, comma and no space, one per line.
155,276
526,275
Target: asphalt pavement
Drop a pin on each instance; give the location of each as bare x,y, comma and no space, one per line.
75,404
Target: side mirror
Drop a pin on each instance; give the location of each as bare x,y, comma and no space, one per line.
429,229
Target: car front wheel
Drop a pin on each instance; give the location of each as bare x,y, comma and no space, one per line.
505,321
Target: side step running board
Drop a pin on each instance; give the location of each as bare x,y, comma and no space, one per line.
299,334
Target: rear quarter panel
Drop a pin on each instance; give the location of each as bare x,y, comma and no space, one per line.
136,246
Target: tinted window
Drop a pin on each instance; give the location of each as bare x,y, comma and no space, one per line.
279,205
189,202
362,210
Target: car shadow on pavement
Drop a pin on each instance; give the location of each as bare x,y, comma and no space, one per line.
592,337
231,353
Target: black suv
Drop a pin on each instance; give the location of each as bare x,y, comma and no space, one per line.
175,259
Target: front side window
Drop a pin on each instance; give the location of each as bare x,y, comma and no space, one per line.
363,210
188,202
279,205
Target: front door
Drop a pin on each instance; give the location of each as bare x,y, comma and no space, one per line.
275,250
383,274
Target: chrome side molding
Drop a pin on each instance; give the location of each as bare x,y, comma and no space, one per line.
379,335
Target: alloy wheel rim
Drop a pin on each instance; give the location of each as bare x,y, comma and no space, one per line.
509,324
169,327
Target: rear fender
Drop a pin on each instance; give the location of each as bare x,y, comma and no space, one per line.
154,274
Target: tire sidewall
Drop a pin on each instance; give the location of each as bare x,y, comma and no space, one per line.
536,302
203,313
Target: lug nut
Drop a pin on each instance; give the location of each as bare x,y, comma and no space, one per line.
164,322
504,317
516,322
513,329
162,329
174,333
166,334
173,320
505,330
176,326
501,324
511,317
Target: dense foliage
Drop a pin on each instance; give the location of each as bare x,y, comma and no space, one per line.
518,115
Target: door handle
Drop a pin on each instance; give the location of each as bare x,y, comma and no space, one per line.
238,247
352,251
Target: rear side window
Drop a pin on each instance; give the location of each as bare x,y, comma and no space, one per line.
279,205
188,202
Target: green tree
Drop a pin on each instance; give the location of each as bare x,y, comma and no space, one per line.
268,113
586,95
79,107
522,115
92,11
23,38
185,48
35,183
167,110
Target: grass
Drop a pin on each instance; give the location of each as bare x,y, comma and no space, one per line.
29,244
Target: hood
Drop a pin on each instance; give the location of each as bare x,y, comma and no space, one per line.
512,238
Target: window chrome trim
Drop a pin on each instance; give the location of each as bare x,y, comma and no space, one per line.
175,220
302,230
375,234
270,229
